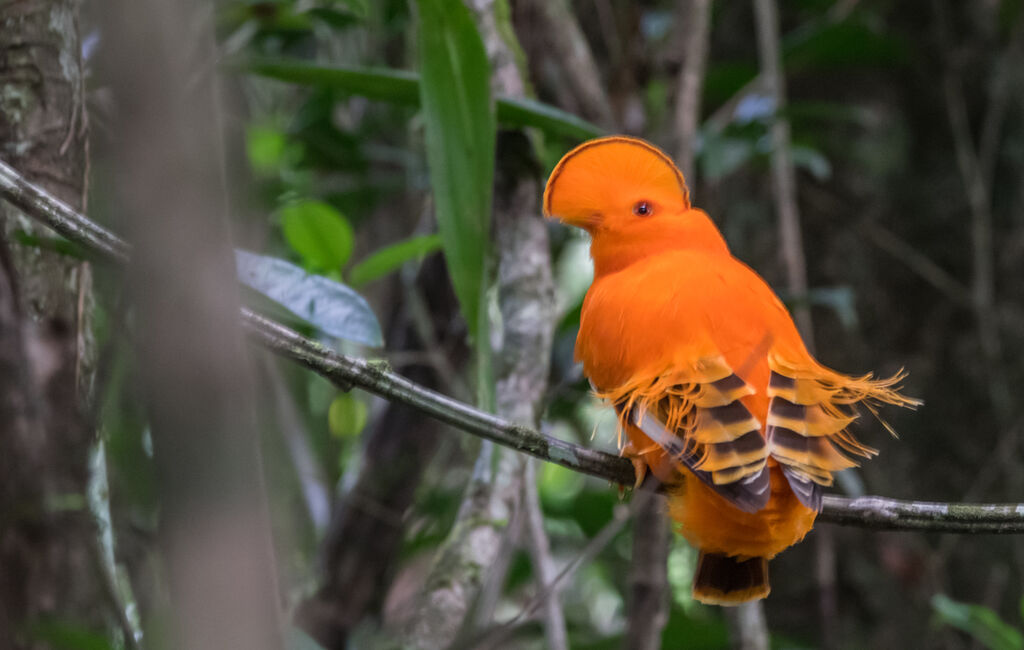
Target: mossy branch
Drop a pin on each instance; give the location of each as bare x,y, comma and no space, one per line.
866,512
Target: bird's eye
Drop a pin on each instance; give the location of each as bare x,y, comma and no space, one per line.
643,209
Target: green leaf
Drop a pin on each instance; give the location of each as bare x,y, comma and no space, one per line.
391,257
840,300
682,564
559,486
842,45
980,622
721,155
518,111
329,306
381,84
318,233
266,148
66,635
360,8
347,415
56,244
402,87
460,137
813,161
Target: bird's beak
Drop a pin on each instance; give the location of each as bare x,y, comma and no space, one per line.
585,221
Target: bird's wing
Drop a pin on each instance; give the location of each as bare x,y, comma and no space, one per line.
810,410
697,418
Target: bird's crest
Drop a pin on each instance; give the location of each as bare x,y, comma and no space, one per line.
608,172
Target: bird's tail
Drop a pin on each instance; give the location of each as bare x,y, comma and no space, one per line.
724,580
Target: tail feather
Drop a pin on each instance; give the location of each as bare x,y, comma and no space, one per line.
724,580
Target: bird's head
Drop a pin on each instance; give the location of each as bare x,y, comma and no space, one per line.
613,183
630,197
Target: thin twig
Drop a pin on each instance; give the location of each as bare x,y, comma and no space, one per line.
559,32
648,605
977,167
314,486
747,622
748,629
620,515
916,261
877,513
696,33
544,565
783,174
979,200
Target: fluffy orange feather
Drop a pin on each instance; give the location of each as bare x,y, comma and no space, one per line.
714,389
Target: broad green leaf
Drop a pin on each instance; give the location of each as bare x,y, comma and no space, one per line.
980,622
460,137
329,306
381,84
391,257
401,87
517,111
318,233
347,415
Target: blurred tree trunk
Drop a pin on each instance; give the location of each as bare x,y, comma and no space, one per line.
47,537
194,372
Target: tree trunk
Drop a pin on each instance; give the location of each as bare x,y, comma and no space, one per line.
47,538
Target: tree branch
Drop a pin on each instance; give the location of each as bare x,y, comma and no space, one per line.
374,376
696,30
766,15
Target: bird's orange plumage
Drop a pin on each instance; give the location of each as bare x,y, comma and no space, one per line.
714,389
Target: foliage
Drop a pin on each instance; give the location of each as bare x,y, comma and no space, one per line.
460,131
318,233
402,87
392,257
329,306
980,622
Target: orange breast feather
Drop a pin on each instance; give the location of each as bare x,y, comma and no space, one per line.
713,387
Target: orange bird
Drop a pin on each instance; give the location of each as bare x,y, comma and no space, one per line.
711,382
